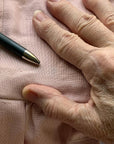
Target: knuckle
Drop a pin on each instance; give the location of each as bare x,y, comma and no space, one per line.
106,62
72,113
46,28
105,58
102,61
66,43
85,22
109,20
50,109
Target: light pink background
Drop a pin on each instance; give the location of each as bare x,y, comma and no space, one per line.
23,122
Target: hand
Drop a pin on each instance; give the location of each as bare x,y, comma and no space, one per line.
90,47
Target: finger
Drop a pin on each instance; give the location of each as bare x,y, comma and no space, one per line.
80,116
67,45
104,11
88,27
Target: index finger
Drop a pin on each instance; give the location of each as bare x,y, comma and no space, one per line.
67,45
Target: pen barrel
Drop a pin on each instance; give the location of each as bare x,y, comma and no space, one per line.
11,45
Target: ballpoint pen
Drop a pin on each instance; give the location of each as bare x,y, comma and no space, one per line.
18,49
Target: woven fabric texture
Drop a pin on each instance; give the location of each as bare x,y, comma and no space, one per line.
23,122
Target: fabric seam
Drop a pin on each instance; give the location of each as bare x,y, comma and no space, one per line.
12,99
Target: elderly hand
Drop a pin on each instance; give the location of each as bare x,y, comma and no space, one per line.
90,47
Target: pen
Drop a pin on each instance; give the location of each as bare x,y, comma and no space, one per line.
18,49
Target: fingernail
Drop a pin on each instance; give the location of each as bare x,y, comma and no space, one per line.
53,0
29,95
39,15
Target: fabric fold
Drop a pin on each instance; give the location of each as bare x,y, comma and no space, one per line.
23,122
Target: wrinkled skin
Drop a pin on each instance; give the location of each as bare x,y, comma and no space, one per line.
90,47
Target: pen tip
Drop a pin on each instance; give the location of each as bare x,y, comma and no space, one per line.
37,62
31,58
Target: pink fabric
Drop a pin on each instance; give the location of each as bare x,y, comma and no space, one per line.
23,122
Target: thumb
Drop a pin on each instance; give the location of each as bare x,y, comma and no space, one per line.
50,100
57,106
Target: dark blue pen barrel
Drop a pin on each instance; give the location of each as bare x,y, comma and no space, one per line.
11,45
